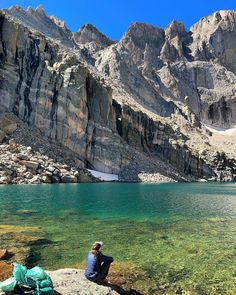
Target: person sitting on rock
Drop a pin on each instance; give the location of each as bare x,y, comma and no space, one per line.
97,264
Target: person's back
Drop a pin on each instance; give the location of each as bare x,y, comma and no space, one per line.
92,266
97,264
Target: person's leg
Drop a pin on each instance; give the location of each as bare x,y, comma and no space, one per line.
103,272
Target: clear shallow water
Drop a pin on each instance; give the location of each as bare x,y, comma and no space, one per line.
177,236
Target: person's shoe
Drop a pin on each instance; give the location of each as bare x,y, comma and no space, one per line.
104,282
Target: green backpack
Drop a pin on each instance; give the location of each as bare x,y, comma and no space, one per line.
8,285
35,278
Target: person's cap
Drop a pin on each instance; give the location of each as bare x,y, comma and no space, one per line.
97,245
100,243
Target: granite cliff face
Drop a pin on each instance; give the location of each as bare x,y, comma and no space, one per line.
195,68
144,99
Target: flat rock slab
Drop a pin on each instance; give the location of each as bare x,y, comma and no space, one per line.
72,282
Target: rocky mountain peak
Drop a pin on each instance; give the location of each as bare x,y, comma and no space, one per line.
151,43
144,31
176,39
30,10
15,8
214,38
39,21
138,27
141,33
175,28
40,10
58,22
225,19
89,33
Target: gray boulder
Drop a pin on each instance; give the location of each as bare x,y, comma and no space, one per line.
72,281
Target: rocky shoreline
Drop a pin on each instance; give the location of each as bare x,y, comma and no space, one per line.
27,157
72,281
21,165
68,281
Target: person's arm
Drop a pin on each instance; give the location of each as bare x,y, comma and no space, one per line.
107,259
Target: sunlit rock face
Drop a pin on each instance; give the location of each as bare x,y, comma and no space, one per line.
214,39
47,86
88,33
107,100
213,43
196,68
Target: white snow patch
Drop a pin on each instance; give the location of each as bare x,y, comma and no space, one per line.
223,131
104,176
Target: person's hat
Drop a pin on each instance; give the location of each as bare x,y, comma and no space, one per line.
100,243
97,245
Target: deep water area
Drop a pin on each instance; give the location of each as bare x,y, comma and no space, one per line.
165,238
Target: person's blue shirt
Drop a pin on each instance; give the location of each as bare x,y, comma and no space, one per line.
94,263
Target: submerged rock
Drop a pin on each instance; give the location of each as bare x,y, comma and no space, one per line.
69,179
216,219
6,229
20,244
26,212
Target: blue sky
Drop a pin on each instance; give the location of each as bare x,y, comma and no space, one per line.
114,17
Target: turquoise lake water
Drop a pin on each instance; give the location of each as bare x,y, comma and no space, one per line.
179,237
